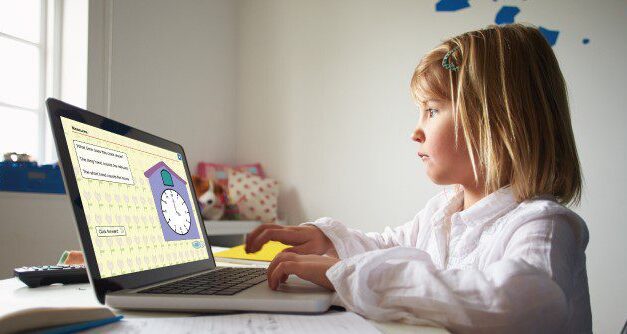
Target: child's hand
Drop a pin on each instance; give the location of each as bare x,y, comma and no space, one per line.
305,239
312,268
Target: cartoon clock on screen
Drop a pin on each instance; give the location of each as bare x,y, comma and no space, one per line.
175,211
172,203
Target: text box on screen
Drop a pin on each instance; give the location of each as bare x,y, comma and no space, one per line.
100,163
110,231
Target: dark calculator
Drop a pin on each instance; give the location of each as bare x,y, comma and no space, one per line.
46,275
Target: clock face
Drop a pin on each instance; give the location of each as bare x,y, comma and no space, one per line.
175,211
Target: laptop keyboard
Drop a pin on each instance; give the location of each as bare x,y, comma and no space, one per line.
222,281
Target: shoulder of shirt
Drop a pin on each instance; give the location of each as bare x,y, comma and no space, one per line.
545,207
542,207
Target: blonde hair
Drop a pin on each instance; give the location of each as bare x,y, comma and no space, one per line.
510,98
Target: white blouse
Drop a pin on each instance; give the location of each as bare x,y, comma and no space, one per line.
496,267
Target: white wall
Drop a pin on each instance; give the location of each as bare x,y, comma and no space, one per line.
171,72
324,104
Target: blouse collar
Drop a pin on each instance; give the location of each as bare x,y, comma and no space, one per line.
488,208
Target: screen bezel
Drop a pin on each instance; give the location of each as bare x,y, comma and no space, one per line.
58,109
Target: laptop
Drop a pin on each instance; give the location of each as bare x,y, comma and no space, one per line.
140,228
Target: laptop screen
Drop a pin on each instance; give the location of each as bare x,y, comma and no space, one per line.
137,201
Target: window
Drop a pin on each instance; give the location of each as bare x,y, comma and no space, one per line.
43,53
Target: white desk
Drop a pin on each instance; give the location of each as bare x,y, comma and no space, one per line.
14,292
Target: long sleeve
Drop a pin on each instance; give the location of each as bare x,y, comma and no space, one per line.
349,242
525,291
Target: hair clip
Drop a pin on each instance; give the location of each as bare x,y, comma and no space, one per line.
447,64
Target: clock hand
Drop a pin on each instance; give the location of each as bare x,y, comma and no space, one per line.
177,212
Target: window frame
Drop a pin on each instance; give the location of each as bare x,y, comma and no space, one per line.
49,55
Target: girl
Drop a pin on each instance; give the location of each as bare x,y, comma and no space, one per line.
499,252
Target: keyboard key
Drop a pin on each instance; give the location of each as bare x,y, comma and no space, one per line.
192,291
259,279
223,281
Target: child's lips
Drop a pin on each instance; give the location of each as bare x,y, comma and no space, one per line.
423,156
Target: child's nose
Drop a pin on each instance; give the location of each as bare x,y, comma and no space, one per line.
418,136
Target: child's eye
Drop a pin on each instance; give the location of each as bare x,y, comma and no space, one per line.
431,112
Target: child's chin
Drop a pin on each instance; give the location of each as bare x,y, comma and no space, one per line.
438,178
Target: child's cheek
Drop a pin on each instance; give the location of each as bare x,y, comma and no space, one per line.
444,147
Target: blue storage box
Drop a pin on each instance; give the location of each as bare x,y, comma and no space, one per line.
30,177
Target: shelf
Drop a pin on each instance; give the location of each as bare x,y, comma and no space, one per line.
230,227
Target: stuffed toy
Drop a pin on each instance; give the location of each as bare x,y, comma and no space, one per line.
211,198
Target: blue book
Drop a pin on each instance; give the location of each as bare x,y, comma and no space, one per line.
54,319
81,326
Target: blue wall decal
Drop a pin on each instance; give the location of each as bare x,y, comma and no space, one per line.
451,5
550,35
506,15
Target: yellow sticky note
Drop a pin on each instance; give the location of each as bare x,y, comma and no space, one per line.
266,253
